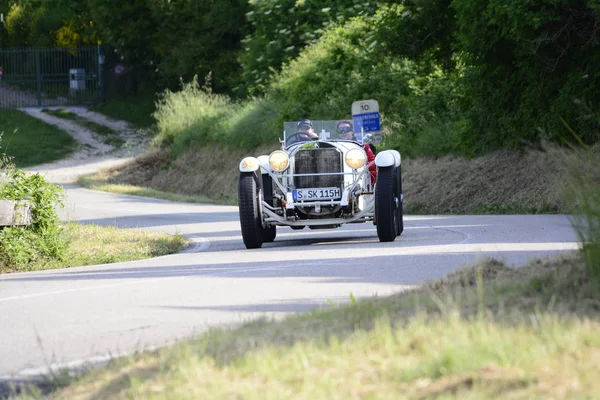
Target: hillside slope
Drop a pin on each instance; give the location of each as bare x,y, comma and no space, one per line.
500,182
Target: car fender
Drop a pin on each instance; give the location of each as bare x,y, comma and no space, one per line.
388,158
263,161
249,164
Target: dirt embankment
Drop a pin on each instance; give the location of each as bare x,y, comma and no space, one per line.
501,182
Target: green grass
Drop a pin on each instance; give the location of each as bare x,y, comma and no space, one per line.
94,244
30,141
195,117
109,135
485,332
135,110
584,193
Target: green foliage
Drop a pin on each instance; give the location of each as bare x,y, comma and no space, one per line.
64,23
280,29
583,191
195,116
527,63
200,37
166,41
419,29
419,104
20,246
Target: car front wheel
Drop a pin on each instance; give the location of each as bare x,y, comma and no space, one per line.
249,207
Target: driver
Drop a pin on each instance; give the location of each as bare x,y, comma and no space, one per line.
306,131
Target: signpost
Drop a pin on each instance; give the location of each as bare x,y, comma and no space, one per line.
365,118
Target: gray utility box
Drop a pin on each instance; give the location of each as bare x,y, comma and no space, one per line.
77,79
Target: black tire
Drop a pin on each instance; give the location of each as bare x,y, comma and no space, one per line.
400,211
270,232
385,204
249,206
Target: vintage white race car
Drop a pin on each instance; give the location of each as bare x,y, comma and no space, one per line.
321,183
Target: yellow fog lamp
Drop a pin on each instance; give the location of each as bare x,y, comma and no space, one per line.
356,158
279,160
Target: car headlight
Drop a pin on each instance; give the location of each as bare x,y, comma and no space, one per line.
356,158
279,160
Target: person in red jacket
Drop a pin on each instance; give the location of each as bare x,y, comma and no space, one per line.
345,131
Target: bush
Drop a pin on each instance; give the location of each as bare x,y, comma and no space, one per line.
195,116
281,29
420,105
527,61
21,246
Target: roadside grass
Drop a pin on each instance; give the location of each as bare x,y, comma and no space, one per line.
99,182
584,193
483,209
203,175
135,110
109,136
94,244
487,331
30,141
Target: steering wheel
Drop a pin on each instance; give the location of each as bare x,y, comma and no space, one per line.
296,136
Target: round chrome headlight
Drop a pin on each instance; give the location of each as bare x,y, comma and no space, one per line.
279,160
356,158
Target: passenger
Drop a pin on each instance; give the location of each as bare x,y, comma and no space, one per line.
345,131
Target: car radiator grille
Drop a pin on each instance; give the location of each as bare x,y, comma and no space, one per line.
318,161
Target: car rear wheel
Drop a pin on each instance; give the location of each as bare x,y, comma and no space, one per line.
249,207
387,204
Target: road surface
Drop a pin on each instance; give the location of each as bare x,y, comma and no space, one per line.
72,316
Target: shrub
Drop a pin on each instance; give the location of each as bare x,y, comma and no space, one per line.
195,116
21,246
420,105
281,29
527,61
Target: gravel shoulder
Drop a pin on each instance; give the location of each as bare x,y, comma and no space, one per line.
92,153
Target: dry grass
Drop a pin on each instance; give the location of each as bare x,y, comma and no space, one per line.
501,182
209,174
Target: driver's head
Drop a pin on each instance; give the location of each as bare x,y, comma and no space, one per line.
305,125
345,130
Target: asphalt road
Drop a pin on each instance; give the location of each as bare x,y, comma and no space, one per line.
67,317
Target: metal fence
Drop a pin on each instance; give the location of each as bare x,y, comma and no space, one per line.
50,77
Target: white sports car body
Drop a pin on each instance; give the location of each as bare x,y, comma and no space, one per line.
321,183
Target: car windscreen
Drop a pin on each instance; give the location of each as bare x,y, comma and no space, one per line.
327,130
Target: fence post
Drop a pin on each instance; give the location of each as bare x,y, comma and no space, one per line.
38,73
101,62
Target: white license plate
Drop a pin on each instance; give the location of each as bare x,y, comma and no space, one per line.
330,193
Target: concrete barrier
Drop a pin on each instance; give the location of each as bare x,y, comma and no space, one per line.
13,213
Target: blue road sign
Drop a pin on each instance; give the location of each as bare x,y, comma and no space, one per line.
368,122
